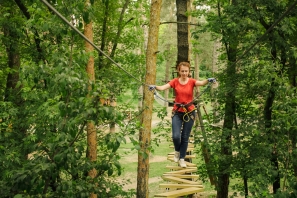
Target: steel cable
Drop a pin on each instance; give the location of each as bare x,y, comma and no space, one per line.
84,37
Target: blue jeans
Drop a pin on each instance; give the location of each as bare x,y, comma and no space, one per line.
181,130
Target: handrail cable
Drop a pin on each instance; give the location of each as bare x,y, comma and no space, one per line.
98,49
84,37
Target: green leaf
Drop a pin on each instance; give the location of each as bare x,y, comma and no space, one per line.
86,17
116,145
110,172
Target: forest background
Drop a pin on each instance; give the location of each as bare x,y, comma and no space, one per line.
52,104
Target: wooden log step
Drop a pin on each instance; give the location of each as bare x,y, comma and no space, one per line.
172,185
188,163
183,176
182,171
180,168
188,150
178,180
178,193
190,156
186,157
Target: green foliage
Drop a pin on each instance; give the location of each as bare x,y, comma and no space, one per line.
262,80
43,126
43,116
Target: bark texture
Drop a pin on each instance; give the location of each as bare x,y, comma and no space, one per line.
182,31
146,120
91,130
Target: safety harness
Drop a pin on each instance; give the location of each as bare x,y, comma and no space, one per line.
186,115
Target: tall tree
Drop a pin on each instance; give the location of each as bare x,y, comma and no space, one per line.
167,40
42,137
91,130
252,84
146,119
226,149
279,48
12,94
182,31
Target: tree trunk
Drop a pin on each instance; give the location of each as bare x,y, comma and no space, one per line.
146,120
205,147
91,130
121,25
167,70
294,151
293,132
268,124
24,10
103,35
268,120
13,64
226,149
189,20
170,55
196,67
182,32
112,125
12,92
225,161
145,38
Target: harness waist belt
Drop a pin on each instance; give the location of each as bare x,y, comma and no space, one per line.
182,105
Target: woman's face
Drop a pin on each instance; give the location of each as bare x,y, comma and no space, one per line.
184,71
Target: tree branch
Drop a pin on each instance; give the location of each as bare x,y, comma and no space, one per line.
166,22
36,36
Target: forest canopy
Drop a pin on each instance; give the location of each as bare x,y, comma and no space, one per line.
51,102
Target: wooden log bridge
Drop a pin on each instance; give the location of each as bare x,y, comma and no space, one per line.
180,181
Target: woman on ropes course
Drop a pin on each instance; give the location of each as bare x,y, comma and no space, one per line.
183,112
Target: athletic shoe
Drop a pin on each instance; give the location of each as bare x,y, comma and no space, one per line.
176,156
182,163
